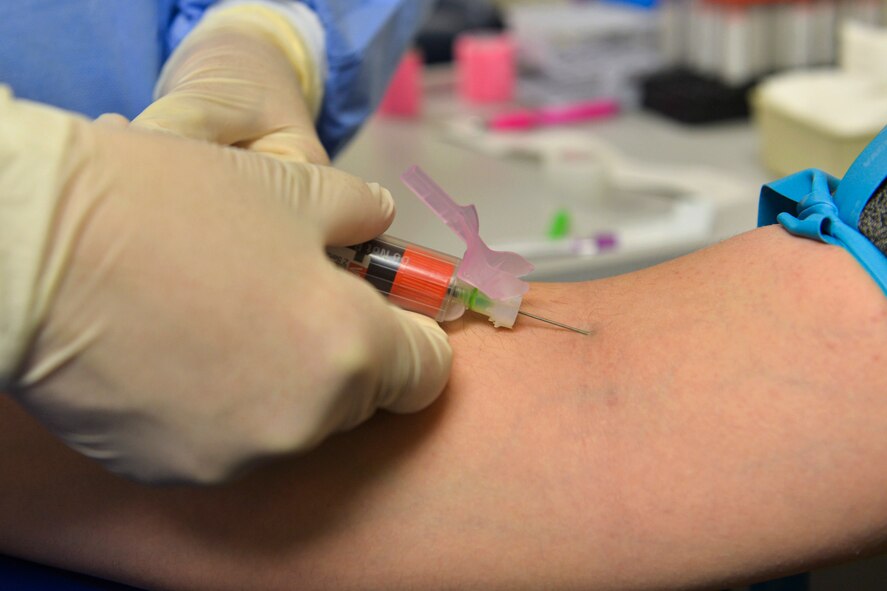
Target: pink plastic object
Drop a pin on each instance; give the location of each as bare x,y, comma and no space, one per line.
493,272
525,119
485,67
404,95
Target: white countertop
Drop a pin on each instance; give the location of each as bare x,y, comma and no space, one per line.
516,195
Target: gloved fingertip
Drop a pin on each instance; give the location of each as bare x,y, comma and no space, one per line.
431,357
151,125
430,325
383,196
112,120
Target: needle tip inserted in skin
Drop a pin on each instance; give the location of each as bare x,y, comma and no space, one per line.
554,322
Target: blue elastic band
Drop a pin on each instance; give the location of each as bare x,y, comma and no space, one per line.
816,205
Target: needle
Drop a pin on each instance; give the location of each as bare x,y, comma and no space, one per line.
567,326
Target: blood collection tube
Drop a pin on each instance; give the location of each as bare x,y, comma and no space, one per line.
421,280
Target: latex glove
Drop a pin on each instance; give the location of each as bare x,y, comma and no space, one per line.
245,76
167,308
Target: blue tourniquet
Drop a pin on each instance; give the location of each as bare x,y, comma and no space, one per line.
816,205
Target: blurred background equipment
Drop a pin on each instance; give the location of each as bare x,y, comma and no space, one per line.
717,50
450,19
403,98
579,51
822,118
485,67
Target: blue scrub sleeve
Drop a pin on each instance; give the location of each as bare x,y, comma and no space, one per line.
184,17
816,205
365,40
82,55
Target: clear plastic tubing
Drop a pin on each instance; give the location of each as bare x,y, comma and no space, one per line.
421,280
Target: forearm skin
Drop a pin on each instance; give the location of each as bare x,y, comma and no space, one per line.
724,423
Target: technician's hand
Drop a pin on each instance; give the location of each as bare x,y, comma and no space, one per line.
180,319
243,77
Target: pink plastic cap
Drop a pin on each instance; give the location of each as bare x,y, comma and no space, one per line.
524,119
404,95
485,67
496,273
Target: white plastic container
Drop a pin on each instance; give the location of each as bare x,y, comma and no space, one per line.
824,118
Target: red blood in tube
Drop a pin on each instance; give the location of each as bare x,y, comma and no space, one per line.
421,282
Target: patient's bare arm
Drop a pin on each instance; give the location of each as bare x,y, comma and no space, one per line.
726,421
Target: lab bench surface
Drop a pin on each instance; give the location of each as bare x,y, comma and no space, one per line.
516,196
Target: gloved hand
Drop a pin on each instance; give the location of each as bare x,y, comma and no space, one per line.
246,77
167,307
